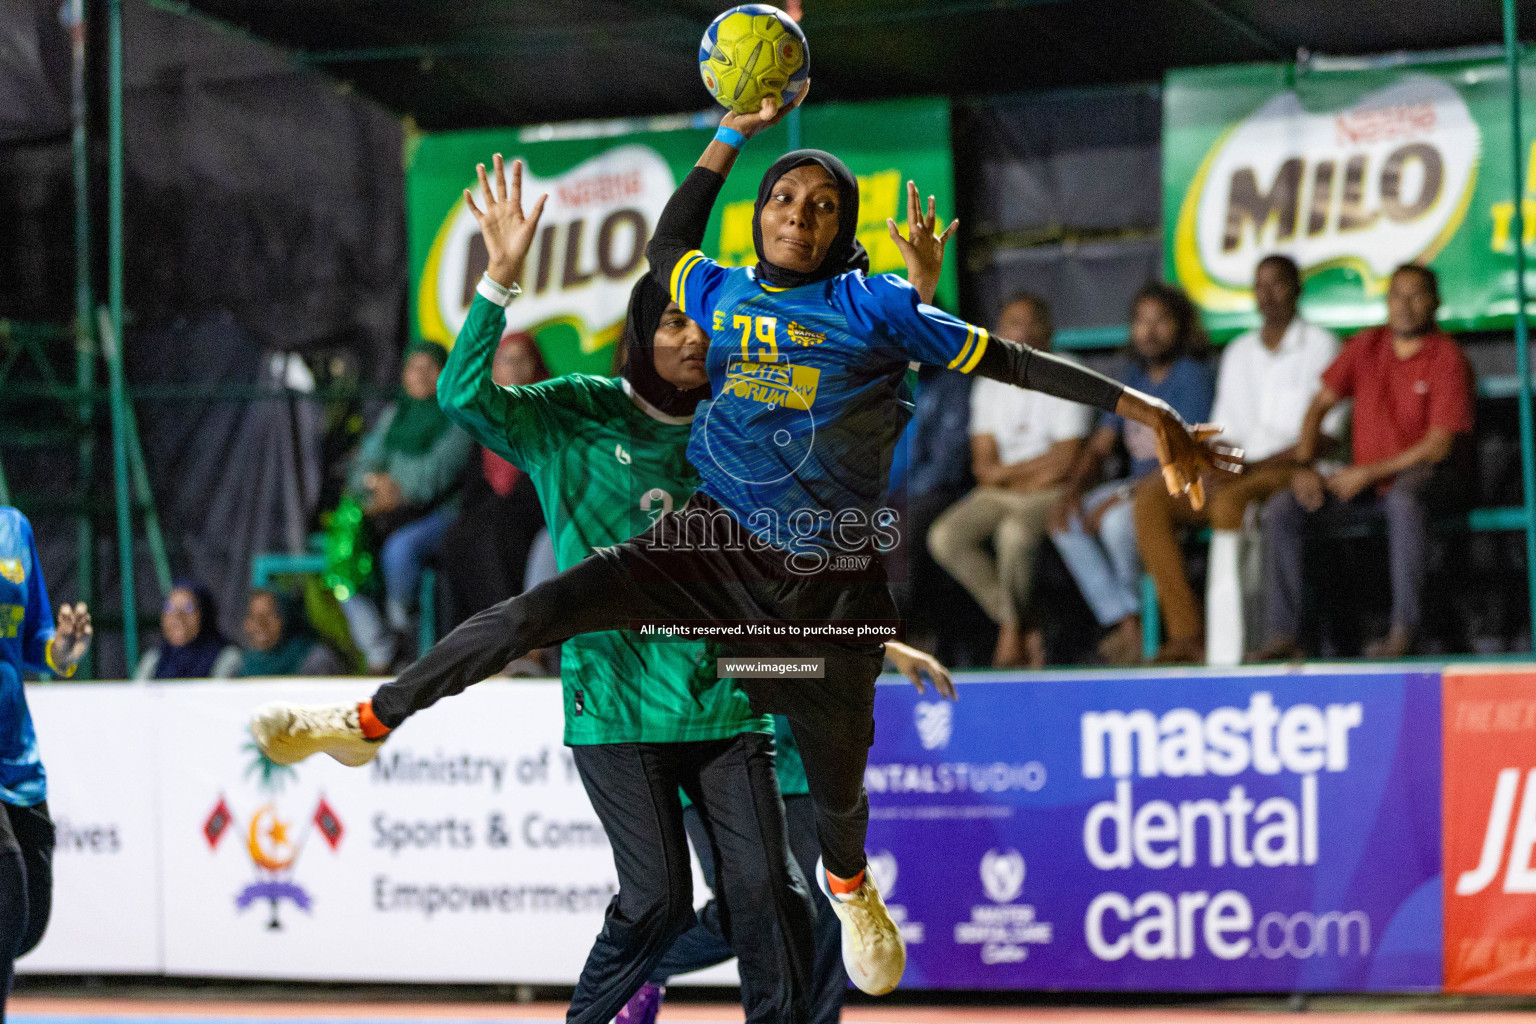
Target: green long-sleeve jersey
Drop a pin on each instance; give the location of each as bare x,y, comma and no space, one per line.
604,469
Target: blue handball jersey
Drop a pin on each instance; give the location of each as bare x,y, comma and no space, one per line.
810,396
26,627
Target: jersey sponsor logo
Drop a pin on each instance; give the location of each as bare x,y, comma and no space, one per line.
622,455
10,620
804,337
773,384
12,569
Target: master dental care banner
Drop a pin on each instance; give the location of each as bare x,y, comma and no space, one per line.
1247,833
1351,169
606,193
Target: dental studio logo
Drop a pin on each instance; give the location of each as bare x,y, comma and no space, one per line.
273,838
935,721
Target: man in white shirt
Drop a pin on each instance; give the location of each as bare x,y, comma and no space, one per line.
1022,444
1268,378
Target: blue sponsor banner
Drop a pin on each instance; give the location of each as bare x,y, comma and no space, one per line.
1249,832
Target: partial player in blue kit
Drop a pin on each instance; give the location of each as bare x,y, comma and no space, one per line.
807,361
28,640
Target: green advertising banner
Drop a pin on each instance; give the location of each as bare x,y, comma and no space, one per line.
606,194
1351,168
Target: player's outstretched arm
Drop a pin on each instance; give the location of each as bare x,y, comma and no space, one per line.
918,666
508,231
923,253
71,638
465,390
681,227
1186,452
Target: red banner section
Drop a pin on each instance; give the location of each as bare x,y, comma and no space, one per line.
1490,830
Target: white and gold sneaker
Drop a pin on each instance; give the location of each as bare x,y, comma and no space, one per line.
874,953
288,733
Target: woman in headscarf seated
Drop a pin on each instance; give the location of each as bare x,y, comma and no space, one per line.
279,641
406,477
193,647
485,553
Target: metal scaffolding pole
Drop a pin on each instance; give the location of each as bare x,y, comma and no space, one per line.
115,301
85,344
1522,335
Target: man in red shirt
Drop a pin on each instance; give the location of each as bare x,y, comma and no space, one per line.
1412,392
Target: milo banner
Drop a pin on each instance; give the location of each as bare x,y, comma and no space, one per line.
606,194
1176,832
1351,170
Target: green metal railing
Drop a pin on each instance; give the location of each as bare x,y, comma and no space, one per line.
1522,337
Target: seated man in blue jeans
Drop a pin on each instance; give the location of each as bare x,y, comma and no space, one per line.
1413,396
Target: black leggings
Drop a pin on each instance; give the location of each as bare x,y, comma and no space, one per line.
690,566
765,906
26,885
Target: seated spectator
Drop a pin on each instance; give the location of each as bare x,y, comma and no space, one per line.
192,647
485,552
1412,392
1022,444
1094,529
1268,377
279,641
407,476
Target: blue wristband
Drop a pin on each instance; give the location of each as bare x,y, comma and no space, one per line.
730,136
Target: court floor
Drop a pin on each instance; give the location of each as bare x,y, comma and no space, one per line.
38,1010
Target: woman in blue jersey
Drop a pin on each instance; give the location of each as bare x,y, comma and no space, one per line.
28,640
807,364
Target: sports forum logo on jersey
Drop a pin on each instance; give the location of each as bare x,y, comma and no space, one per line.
273,838
774,384
935,721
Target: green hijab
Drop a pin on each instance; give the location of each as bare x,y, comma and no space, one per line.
288,654
418,422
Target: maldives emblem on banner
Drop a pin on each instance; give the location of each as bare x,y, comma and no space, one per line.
1490,831
274,838
1384,181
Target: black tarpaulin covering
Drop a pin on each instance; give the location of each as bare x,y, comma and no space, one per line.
264,215
1063,197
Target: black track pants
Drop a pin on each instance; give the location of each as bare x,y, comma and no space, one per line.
26,885
765,909
697,573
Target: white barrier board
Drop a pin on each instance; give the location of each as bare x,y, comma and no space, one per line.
98,743
466,852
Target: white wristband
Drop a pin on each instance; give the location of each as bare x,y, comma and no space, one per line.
496,291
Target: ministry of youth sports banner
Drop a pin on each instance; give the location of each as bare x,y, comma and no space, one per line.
1352,169
1240,833
606,193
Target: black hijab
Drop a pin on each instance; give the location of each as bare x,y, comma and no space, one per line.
195,658
647,302
845,253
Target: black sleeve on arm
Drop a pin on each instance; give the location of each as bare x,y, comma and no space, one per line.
682,224
1025,367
